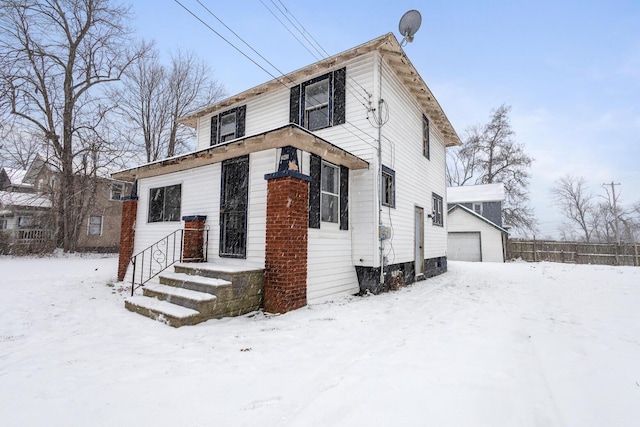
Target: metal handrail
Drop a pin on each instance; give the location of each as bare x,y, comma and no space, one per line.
162,255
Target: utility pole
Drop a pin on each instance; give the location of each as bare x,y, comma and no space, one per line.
615,209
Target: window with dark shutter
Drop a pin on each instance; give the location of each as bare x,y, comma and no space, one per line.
320,102
425,136
344,198
213,139
228,125
315,169
339,96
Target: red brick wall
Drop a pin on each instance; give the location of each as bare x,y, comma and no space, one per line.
193,245
127,235
285,282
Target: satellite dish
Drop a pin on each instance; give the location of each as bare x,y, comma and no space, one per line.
409,25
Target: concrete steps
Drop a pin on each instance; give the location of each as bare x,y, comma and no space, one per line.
197,292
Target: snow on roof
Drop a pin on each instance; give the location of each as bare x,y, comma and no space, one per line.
476,193
16,176
8,198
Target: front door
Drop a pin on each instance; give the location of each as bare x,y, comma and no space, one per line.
419,241
233,207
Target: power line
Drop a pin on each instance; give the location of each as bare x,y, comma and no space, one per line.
228,42
261,56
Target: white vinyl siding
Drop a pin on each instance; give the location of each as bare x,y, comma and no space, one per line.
416,177
330,272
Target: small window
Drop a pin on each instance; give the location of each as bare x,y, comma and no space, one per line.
316,105
117,188
164,203
388,187
425,137
228,126
95,225
25,221
4,223
477,208
330,193
437,209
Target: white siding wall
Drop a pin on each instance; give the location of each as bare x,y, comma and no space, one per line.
332,252
416,176
490,237
201,196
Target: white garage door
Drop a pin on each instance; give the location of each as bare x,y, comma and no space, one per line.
464,246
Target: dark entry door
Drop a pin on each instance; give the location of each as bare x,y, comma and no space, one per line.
233,207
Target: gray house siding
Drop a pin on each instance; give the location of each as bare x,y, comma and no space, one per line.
490,210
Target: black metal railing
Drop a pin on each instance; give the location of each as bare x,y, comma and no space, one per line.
161,255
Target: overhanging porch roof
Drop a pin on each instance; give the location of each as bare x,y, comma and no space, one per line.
291,134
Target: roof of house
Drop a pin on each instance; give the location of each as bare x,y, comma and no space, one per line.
9,198
290,134
476,193
390,49
16,176
480,217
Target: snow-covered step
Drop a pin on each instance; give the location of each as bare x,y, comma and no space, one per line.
172,314
219,287
201,301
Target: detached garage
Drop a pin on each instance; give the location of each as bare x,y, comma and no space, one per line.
474,238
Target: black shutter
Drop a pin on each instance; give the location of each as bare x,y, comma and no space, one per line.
344,198
315,170
214,131
241,114
339,95
294,105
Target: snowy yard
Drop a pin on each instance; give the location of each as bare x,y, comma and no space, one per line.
482,345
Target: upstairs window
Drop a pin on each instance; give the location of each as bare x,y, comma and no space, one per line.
316,105
164,203
95,226
477,208
388,187
320,102
117,188
437,209
330,193
425,137
228,125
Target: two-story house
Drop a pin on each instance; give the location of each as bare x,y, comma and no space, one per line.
330,178
475,227
28,210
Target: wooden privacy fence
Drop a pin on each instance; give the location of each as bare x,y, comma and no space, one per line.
574,252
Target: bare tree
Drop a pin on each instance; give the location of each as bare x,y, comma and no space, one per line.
488,155
575,201
153,96
54,57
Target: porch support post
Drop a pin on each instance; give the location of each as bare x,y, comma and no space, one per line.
127,234
285,279
193,244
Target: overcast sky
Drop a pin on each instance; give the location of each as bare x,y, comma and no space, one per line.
569,69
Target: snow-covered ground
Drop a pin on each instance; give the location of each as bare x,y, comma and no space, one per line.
482,345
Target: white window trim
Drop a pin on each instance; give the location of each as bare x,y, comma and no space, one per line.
327,193
473,208
89,225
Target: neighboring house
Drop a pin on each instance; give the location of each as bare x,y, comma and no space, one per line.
28,220
475,223
288,176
